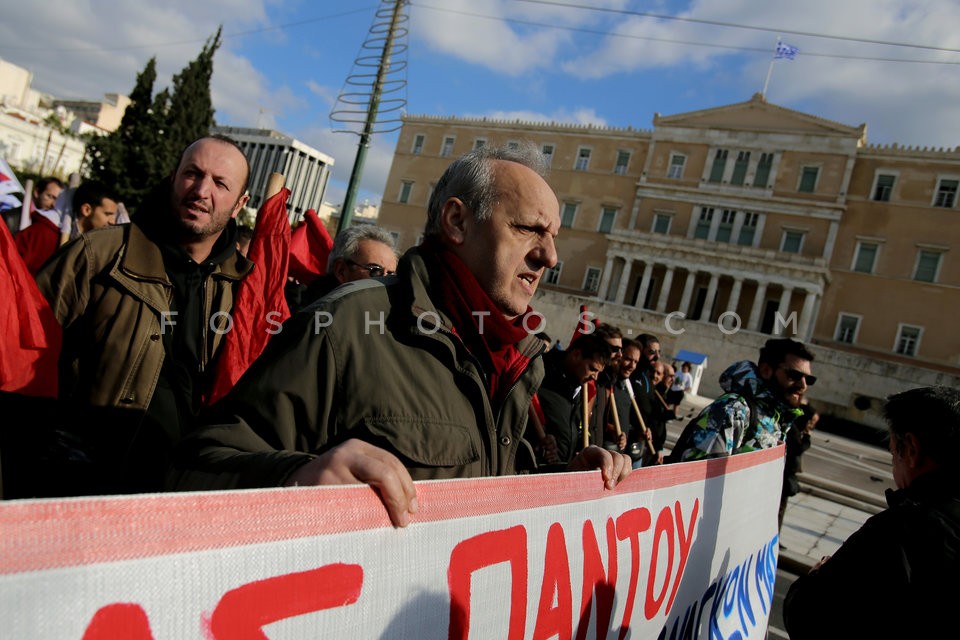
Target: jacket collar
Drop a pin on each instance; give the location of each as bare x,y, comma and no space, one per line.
412,269
142,259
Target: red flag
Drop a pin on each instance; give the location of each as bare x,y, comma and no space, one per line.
310,249
260,306
31,336
584,326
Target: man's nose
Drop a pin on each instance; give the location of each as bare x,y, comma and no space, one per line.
546,252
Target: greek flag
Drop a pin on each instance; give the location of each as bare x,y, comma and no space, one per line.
784,50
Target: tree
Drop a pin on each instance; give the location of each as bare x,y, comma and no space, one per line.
144,148
191,109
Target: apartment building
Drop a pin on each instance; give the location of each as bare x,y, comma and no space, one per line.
717,228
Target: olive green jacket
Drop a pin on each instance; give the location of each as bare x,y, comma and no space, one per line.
109,291
375,360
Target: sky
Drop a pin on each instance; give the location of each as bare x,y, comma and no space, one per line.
892,64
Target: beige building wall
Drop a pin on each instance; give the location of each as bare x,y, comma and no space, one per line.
749,215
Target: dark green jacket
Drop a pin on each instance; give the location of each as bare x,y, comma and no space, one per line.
387,369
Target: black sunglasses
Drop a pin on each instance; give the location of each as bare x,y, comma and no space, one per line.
797,376
375,270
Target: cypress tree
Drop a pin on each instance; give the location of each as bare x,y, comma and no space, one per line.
190,115
154,130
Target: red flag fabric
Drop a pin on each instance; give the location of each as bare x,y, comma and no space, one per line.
310,248
260,307
30,336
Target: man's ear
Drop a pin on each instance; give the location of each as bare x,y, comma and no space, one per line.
85,210
340,270
240,204
453,221
765,370
911,453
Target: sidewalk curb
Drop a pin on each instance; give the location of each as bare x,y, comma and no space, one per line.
795,562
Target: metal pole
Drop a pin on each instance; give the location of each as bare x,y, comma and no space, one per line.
346,211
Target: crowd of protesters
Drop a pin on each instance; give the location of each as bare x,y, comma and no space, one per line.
427,365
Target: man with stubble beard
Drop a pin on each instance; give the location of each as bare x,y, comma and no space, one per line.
761,402
144,307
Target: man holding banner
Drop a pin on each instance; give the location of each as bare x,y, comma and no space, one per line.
428,374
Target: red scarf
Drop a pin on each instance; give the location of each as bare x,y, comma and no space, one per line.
469,307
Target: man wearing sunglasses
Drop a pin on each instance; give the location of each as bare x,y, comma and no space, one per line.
760,404
359,252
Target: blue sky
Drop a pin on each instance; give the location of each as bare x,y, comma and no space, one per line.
607,62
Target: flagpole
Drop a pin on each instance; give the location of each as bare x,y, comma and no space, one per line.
773,59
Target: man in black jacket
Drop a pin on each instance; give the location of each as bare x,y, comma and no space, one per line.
896,577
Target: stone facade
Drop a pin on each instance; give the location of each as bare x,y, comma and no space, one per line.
750,218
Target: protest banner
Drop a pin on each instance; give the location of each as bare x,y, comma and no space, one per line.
680,551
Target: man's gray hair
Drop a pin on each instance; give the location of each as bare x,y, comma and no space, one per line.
470,178
347,242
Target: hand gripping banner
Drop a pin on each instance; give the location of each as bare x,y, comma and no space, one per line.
680,551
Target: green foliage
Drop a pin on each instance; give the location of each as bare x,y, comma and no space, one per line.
155,129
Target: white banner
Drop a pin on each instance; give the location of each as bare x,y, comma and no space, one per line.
681,551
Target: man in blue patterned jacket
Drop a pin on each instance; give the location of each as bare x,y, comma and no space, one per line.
760,403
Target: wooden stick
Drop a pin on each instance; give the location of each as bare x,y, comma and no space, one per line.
643,425
586,416
534,420
274,184
662,401
616,416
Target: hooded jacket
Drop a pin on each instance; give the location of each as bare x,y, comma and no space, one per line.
745,418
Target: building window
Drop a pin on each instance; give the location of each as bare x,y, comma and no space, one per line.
607,216
928,266
591,280
792,241
865,257
547,151
661,223
583,159
740,168
623,160
552,276
847,328
405,188
703,224
808,179
762,176
719,165
725,229
568,215
513,144
908,340
946,193
883,187
418,144
479,143
748,230
677,162
447,146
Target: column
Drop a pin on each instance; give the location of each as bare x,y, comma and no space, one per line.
644,284
687,292
753,323
783,309
605,280
665,290
624,279
806,315
735,295
711,296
